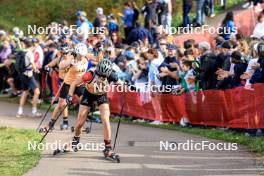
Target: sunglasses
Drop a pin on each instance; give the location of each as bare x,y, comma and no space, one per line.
102,76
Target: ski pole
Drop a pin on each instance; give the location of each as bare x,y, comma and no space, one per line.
119,120
53,124
43,118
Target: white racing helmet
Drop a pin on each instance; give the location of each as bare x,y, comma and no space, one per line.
81,49
104,68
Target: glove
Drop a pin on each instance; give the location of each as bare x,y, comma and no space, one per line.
69,100
46,68
36,71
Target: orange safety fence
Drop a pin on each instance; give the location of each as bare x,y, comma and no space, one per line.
234,108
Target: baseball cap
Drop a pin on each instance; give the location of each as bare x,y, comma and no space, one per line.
171,47
100,11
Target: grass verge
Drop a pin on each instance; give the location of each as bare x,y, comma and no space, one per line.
15,158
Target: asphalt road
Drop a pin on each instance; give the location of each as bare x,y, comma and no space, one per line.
139,149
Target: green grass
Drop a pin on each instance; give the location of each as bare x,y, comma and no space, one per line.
15,158
42,12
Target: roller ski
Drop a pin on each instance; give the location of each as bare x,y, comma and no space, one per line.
72,147
109,153
45,129
87,129
64,125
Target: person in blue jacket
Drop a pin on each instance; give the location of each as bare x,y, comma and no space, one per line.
228,27
127,17
80,14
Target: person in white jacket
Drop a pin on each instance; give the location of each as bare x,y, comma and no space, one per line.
259,28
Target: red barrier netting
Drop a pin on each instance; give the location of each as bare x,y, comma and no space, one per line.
55,82
235,108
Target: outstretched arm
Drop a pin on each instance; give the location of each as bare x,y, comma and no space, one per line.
87,77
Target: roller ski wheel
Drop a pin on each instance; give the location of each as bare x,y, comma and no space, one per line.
64,126
66,149
47,127
72,129
44,129
87,130
110,154
60,151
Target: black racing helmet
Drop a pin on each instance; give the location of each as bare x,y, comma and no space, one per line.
104,68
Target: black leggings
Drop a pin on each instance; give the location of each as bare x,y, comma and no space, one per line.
256,1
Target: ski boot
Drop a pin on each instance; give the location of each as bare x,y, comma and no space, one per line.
46,128
64,125
72,147
110,153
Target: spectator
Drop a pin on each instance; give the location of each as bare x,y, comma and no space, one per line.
258,76
38,53
223,62
168,69
83,31
228,26
100,14
150,12
115,39
162,46
258,30
200,14
16,39
252,3
82,14
250,68
223,4
187,77
127,17
154,62
187,6
2,37
140,75
207,71
139,33
5,52
112,24
29,82
136,12
212,10
233,79
12,77
165,13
